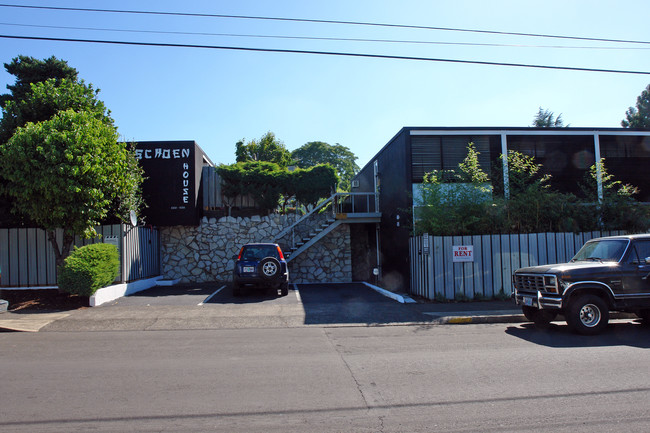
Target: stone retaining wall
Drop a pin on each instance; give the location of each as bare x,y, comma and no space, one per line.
204,253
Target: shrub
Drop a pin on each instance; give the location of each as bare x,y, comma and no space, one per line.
462,203
89,268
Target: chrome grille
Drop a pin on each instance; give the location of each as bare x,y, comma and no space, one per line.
531,283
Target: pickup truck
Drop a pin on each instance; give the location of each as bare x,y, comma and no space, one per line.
607,274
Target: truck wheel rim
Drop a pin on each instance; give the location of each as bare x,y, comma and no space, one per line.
269,269
590,315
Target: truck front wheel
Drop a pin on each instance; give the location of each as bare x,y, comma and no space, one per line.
540,317
587,315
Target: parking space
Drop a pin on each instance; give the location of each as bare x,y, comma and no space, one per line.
214,304
334,303
180,294
252,297
352,303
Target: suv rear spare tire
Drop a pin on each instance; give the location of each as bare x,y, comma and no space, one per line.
269,268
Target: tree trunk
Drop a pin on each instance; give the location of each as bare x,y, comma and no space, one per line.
61,251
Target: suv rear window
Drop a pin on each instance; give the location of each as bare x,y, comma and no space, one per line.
258,252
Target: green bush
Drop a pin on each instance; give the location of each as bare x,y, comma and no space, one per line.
89,268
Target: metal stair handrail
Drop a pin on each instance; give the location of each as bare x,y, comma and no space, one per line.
304,217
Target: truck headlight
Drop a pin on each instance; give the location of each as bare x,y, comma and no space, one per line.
563,285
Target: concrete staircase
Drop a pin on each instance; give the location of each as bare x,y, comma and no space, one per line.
340,208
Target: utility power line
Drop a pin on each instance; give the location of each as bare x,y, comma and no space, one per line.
328,53
315,38
306,20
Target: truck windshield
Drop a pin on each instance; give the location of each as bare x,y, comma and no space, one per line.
610,250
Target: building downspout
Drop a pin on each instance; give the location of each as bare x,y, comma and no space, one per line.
504,160
599,171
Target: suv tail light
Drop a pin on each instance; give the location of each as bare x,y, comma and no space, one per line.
241,250
280,254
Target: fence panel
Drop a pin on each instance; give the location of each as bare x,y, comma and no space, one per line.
496,263
213,197
495,259
437,252
449,290
27,257
417,267
486,258
477,266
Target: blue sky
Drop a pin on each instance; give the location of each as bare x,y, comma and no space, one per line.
217,97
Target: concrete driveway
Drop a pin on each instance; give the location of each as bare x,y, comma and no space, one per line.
213,306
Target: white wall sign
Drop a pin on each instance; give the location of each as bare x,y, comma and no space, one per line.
463,253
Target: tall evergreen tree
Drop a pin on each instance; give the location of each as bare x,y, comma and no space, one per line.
639,116
546,119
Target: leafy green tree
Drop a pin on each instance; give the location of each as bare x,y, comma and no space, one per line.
268,148
338,156
28,70
47,98
66,172
42,89
447,209
532,205
639,117
617,210
456,203
523,172
314,183
471,171
546,119
269,184
257,179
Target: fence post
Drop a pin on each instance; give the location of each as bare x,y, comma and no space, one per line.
122,247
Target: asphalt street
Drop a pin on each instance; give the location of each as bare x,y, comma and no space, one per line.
484,377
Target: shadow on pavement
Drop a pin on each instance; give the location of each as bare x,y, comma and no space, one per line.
352,303
180,294
176,290
632,334
248,296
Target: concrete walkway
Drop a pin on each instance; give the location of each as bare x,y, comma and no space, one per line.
28,322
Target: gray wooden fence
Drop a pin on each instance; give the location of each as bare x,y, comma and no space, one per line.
435,274
213,197
27,257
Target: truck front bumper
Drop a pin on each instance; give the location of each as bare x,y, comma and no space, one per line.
540,300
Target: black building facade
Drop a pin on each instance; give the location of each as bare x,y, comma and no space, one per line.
565,153
172,188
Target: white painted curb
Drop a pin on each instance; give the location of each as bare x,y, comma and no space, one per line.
397,297
115,291
167,283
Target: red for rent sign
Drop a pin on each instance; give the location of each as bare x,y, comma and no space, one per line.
463,253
